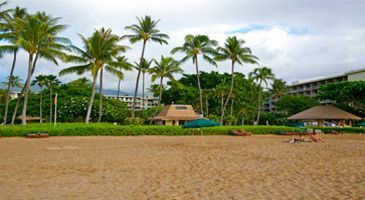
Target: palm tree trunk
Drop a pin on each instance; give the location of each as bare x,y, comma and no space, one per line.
26,92
229,94
119,83
22,92
160,95
50,104
91,99
137,81
232,103
16,107
9,87
259,104
101,96
207,106
41,105
143,77
200,89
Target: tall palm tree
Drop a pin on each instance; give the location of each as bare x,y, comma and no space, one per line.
101,51
143,67
261,75
192,48
39,38
51,82
10,34
146,30
234,51
124,66
166,67
40,80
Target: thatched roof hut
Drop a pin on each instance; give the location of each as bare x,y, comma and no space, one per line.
324,112
176,114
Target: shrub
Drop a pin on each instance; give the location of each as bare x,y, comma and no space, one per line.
106,129
134,121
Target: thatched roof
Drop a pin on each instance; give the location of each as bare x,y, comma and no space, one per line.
177,112
324,112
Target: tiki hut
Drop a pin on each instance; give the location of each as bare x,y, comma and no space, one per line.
175,114
325,114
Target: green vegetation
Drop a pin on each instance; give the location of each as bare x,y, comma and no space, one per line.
105,129
242,105
234,51
349,96
72,103
294,104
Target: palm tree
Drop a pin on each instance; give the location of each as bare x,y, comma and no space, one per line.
40,80
194,46
124,66
234,51
101,51
278,88
261,75
10,34
51,82
38,37
143,67
165,68
146,30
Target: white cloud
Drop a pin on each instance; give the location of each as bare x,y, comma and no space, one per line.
302,39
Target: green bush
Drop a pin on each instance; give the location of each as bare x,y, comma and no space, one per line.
134,121
106,129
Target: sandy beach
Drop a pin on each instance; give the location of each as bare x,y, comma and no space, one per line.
224,167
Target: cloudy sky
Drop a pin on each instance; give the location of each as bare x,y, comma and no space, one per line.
298,39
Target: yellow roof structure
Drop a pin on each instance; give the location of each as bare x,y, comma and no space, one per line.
177,112
324,112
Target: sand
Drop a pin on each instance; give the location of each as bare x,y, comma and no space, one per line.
156,167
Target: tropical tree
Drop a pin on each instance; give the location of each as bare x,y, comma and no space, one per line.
39,38
278,88
51,82
101,51
11,35
194,46
166,67
261,75
40,80
234,51
146,30
123,66
143,67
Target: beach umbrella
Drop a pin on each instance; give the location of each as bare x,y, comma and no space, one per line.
199,123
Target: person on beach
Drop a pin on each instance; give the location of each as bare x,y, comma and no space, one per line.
315,138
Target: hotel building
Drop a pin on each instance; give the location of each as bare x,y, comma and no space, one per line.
149,101
310,87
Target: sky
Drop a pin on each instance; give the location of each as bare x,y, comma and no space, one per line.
297,39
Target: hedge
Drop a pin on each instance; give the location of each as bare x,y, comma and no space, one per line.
105,129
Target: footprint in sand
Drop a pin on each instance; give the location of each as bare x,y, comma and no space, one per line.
63,148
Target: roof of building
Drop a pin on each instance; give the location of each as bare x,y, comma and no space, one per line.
318,79
324,112
177,112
